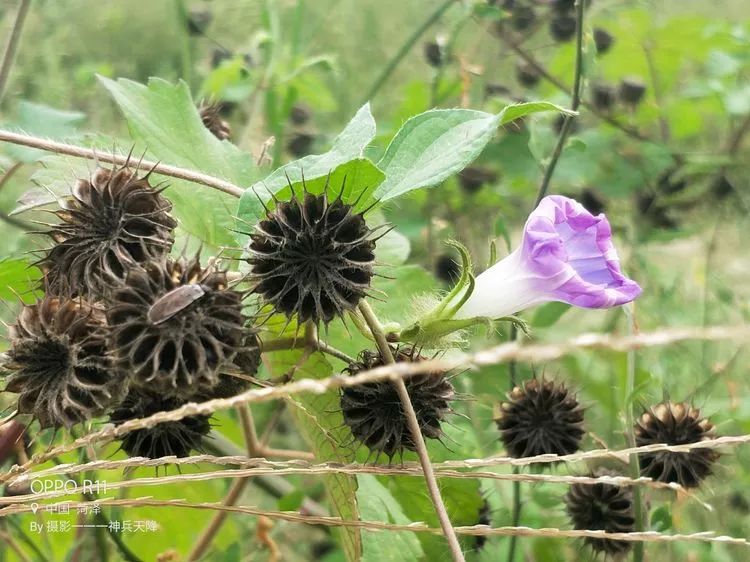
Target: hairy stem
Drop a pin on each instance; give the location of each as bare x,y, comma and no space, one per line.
575,102
119,160
404,50
416,432
12,46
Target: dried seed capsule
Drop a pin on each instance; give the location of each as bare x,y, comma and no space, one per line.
300,114
527,75
210,114
198,21
113,221
632,91
675,424
373,410
603,96
564,6
603,40
472,178
447,269
523,18
173,438
60,366
300,144
483,519
175,325
563,27
433,54
312,258
540,418
605,507
593,201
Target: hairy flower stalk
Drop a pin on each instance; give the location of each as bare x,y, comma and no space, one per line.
566,255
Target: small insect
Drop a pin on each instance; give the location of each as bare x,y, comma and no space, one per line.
173,302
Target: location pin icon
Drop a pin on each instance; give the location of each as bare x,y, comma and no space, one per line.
34,507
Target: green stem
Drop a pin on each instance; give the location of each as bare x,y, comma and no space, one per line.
634,467
404,50
186,58
574,104
12,46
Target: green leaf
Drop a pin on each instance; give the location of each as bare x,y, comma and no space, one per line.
661,519
377,504
516,111
318,417
349,145
162,117
358,177
431,147
18,277
434,145
549,313
43,121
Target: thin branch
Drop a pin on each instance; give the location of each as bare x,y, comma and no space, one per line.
493,356
11,47
416,432
474,530
100,156
575,102
544,73
405,48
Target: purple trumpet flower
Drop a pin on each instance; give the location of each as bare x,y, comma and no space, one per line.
566,255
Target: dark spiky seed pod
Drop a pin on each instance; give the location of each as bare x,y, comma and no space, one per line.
312,258
483,519
373,411
527,75
562,27
675,424
219,55
603,40
494,89
564,6
245,364
560,121
472,178
540,418
632,91
739,503
300,114
198,21
174,326
722,187
593,201
59,364
447,269
433,54
176,438
113,220
523,18
210,114
603,96
655,213
602,507
300,144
